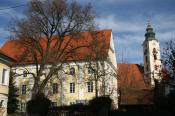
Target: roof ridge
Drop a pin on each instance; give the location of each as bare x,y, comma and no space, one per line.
10,46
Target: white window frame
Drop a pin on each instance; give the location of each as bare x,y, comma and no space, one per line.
72,87
5,77
55,88
23,107
24,73
24,89
90,86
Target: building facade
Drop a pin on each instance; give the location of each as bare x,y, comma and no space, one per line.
152,62
76,82
5,63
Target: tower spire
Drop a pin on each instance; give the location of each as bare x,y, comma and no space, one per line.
149,35
151,50
148,23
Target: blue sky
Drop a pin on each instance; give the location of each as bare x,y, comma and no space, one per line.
127,19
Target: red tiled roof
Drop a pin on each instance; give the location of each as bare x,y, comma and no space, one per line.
16,50
132,86
6,55
129,74
6,58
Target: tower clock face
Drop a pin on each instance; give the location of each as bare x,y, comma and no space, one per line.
154,44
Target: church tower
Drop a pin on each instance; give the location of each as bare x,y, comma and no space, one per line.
152,62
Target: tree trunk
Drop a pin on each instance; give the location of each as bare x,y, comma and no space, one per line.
38,88
96,88
35,89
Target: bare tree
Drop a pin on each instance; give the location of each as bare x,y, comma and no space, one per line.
168,58
43,35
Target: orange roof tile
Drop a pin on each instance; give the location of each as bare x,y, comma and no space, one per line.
16,50
129,74
132,86
6,58
5,54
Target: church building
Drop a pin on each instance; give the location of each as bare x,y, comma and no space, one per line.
151,54
76,84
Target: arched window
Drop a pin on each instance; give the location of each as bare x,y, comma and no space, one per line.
155,56
155,67
155,53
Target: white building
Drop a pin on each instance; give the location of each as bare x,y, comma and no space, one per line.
5,62
152,62
76,83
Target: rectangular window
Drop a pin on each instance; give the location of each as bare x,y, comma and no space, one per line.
23,107
90,70
23,89
72,71
72,87
24,73
4,74
55,88
90,86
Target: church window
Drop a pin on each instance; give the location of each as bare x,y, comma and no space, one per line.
155,56
154,51
155,67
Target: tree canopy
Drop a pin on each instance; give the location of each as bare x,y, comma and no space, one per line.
50,21
168,58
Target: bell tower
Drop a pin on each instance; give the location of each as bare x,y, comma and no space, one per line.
152,62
